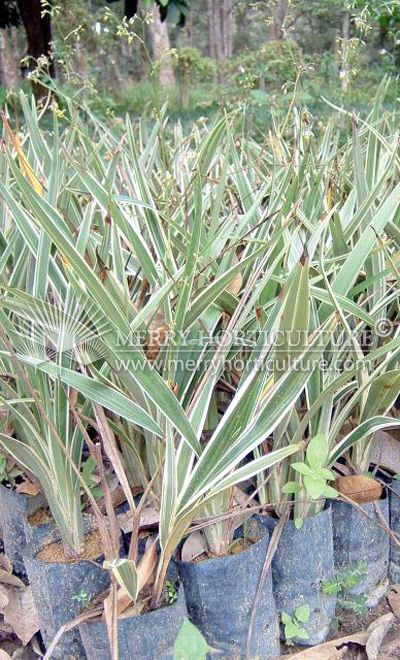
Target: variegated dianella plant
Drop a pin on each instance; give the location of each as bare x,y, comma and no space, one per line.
213,295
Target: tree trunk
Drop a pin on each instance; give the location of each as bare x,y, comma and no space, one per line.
81,60
161,48
219,15
190,27
278,20
184,93
9,69
38,34
345,46
226,24
212,35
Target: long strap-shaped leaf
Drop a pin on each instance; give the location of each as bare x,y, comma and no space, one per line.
110,398
371,425
54,224
223,453
109,205
355,260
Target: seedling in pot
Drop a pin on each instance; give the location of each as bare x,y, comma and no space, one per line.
292,624
314,476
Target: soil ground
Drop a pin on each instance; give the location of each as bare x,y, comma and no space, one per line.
350,623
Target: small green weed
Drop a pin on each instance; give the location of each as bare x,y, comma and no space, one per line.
292,624
343,582
82,597
171,592
355,604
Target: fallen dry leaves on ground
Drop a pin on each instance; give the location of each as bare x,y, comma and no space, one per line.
17,606
370,640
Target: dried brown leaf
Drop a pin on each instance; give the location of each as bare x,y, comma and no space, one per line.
135,610
338,648
4,655
123,601
3,598
5,563
394,599
113,454
21,614
239,496
8,578
36,646
147,564
236,284
125,521
148,517
194,546
86,616
156,339
385,451
358,488
28,488
334,650
110,616
379,632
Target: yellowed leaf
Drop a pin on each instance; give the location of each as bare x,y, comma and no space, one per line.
23,161
268,387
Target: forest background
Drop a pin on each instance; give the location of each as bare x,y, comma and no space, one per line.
202,55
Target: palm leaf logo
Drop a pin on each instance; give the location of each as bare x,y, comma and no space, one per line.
58,331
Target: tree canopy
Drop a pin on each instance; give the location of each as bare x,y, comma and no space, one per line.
9,14
174,10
